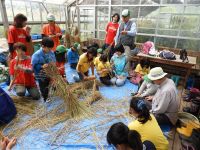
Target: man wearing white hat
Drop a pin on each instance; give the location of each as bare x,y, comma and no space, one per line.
164,102
126,33
52,30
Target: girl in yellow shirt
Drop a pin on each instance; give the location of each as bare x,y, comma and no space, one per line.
104,69
146,124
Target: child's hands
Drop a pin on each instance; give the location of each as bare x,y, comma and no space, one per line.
149,98
45,66
3,143
58,34
137,95
7,144
11,143
120,77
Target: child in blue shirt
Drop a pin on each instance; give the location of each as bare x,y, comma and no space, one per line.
72,55
40,60
119,65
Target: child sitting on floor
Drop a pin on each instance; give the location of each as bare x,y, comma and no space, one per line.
99,52
120,137
86,61
141,70
61,59
22,74
119,63
40,60
73,56
147,88
146,124
104,69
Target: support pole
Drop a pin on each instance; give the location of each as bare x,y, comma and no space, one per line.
4,16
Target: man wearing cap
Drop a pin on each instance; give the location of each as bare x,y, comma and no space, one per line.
126,33
164,102
52,30
72,55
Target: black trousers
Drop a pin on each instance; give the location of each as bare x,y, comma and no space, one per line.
162,119
73,65
106,80
44,87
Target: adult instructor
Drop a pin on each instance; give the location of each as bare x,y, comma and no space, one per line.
126,34
52,30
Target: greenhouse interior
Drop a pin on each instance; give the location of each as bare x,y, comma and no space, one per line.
100,74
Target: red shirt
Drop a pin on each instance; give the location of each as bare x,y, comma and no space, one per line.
17,35
111,30
22,78
61,67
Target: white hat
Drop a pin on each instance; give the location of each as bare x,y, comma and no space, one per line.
156,73
125,13
51,17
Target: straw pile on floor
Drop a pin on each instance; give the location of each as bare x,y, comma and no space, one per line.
38,114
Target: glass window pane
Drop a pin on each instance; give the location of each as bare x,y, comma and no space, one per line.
190,34
144,30
102,35
146,23
102,16
116,2
143,38
87,19
102,2
167,42
167,32
151,2
130,2
172,1
192,9
35,29
171,9
190,22
116,10
85,2
149,11
44,14
193,1
36,11
29,13
9,10
189,44
62,11
19,7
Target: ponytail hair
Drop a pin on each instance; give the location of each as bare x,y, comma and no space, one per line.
119,133
140,107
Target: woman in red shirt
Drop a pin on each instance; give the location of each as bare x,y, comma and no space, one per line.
16,33
22,74
111,31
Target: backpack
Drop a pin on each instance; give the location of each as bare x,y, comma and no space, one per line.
166,54
7,107
146,47
183,55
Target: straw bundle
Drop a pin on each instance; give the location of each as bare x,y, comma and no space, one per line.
61,89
